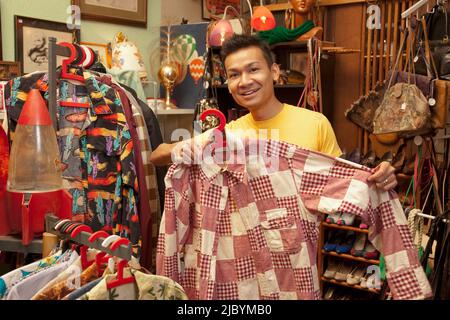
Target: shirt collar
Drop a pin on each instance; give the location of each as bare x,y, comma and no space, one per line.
235,166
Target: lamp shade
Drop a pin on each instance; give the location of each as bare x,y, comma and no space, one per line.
221,31
263,19
34,163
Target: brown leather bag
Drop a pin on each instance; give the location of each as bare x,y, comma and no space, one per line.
441,87
404,108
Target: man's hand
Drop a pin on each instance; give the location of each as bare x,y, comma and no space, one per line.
384,176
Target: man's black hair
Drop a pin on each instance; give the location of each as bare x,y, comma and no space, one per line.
238,42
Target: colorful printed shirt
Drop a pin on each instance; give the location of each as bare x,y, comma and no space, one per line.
249,230
145,287
17,275
96,150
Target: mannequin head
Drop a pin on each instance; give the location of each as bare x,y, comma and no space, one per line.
302,6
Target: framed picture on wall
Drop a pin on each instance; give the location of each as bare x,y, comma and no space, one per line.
217,7
9,70
32,41
131,12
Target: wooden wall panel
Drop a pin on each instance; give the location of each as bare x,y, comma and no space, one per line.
345,30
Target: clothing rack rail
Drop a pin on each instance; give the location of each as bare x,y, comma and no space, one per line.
123,251
54,50
423,215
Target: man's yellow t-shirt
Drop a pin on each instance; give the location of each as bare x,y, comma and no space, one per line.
302,127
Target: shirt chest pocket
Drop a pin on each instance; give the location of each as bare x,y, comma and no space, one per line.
281,231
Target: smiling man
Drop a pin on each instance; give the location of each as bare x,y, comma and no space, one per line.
251,74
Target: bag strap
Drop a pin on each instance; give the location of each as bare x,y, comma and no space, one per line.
399,54
428,56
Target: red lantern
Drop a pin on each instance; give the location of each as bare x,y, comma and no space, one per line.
263,19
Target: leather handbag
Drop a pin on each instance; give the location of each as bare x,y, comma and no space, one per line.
441,87
404,108
436,28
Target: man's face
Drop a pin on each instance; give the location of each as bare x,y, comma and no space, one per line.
302,6
250,79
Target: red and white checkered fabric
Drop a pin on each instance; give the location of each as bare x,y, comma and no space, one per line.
249,230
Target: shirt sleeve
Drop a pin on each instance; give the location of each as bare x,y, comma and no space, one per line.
175,223
327,139
331,185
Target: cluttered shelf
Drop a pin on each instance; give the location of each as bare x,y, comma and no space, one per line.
350,257
345,284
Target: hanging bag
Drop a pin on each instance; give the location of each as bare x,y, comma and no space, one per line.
404,108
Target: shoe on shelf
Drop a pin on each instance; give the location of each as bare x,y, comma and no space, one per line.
363,280
354,156
362,225
369,251
329,293
369,159
343,270
333,217
347,243
354,277
331,270
346,219
334,238
359,245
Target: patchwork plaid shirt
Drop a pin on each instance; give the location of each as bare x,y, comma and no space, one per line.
249,230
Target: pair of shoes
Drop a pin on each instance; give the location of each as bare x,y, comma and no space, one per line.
358,246
346,219
343,270
370,252
362,247
340,241
333,217
331,270
347,243
334,238
354,277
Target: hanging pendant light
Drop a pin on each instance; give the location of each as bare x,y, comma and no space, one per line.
221,31
34,164
263,19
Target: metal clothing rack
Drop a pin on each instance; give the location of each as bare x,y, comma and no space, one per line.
123,251
423,215
54,50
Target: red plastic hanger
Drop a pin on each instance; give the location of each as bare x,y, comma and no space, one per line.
100,259
98,234
84,260
220,130
65,74
79,229
120,280
118,243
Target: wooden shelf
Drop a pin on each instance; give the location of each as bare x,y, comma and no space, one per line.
323,3
348,228
175,111
350,257
345,284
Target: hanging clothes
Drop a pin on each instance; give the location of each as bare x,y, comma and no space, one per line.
11,278
96,150
144,287
156,139
249,229
28,286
